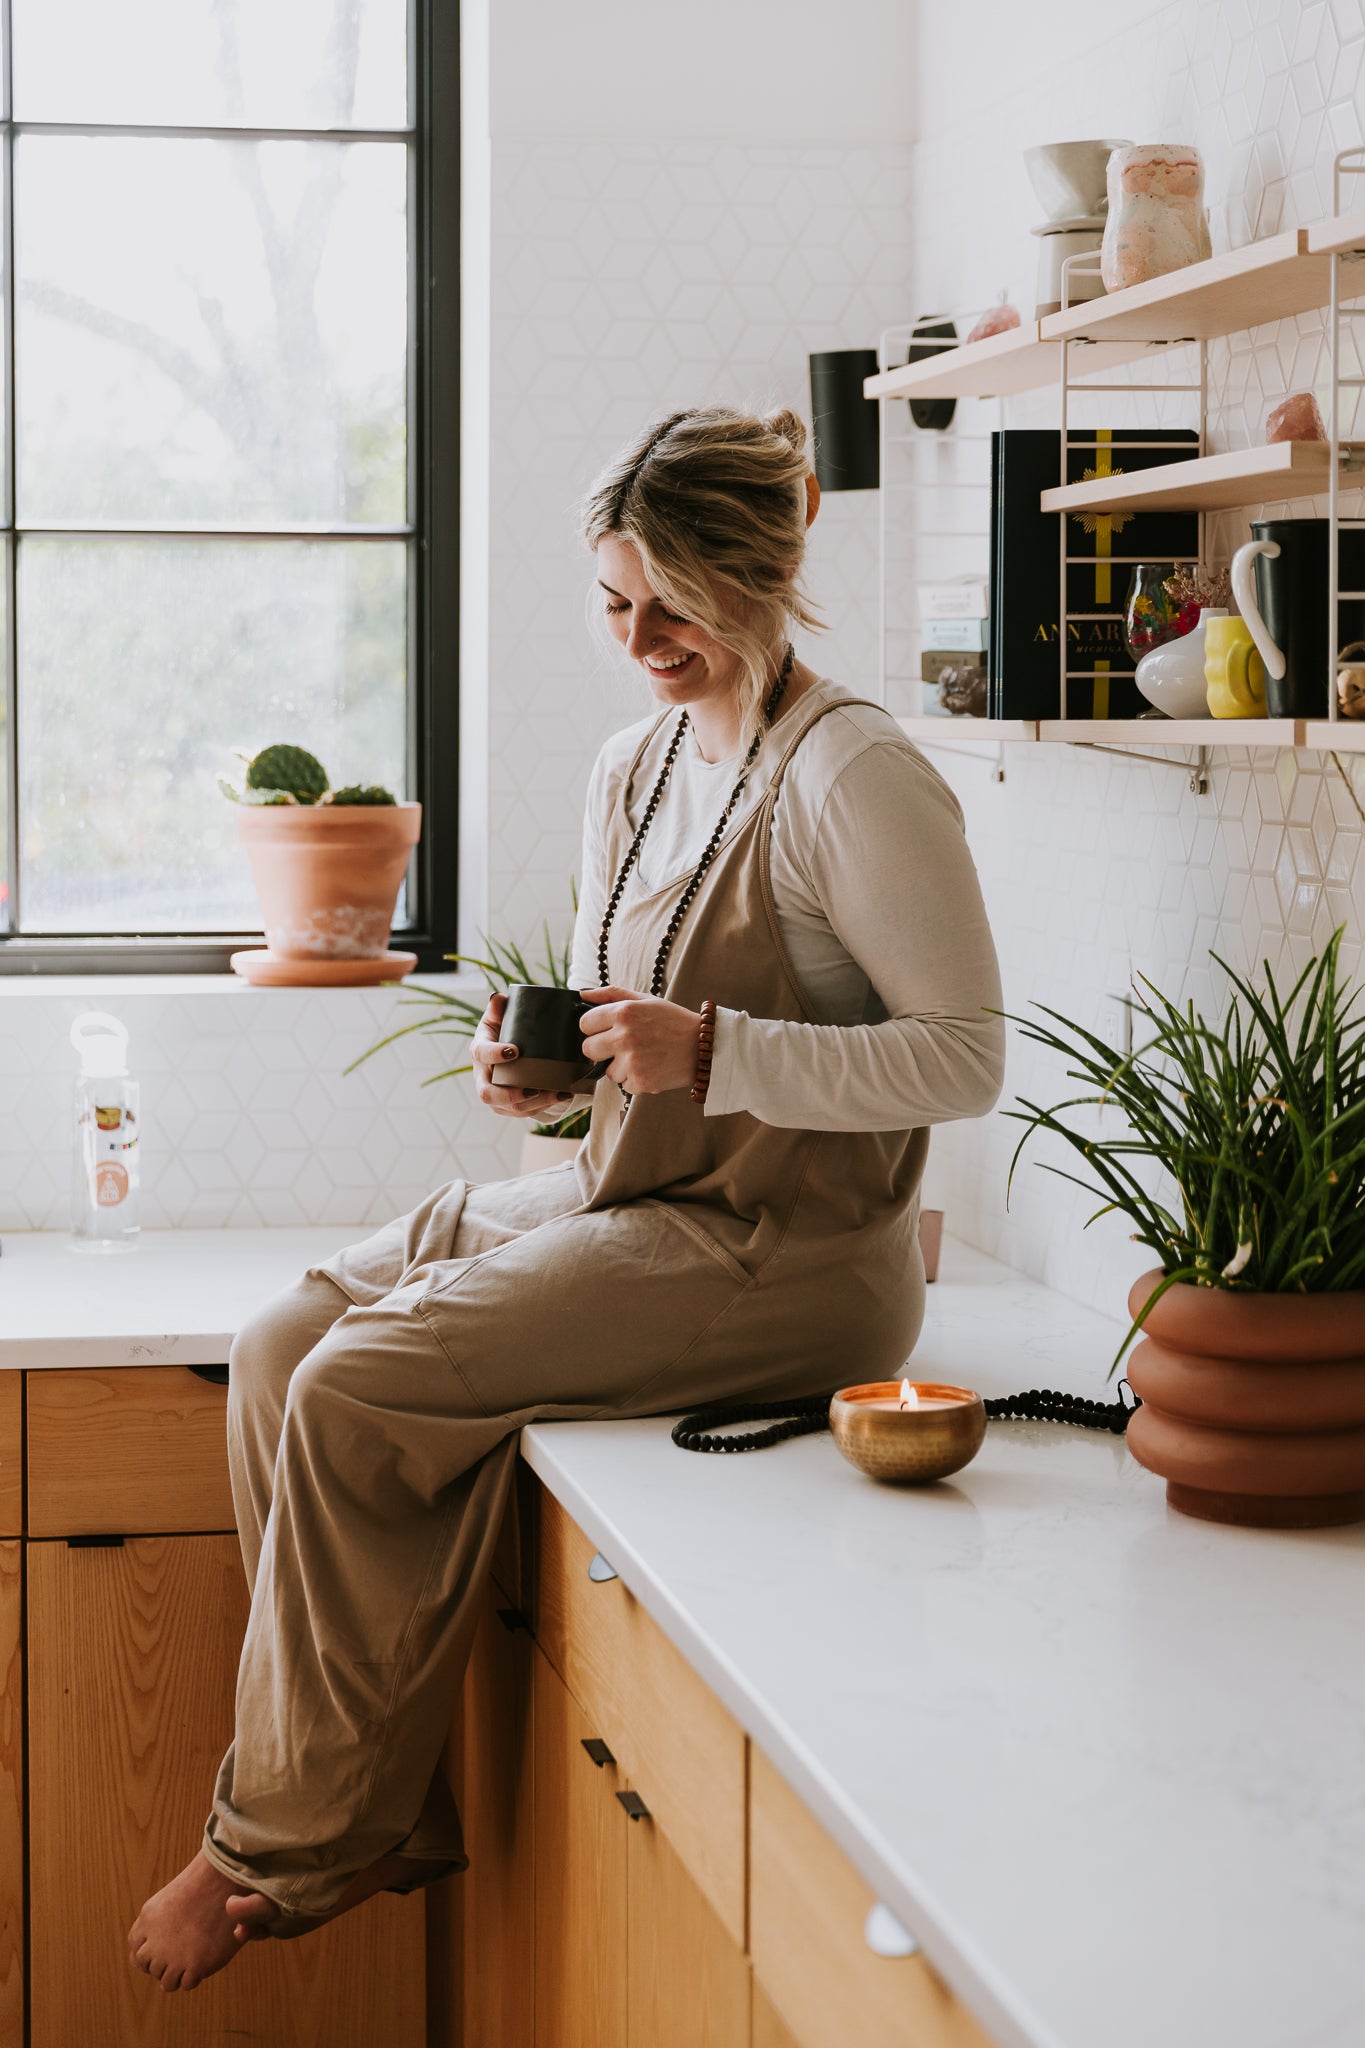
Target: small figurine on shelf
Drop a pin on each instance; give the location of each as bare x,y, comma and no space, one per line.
962,691
1156,220
1351,681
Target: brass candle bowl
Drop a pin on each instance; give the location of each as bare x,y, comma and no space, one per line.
908,1446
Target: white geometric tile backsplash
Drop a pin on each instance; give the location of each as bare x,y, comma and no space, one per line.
632,277
1095,867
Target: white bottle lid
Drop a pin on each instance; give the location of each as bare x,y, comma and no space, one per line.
102,1043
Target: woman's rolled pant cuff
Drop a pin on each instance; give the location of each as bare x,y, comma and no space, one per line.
432,1869
239,1873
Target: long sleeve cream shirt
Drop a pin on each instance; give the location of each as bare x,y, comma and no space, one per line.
878,902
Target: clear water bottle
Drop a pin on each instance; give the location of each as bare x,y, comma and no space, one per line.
104,1195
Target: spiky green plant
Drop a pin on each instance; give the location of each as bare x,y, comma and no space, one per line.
279,775
361,793
456,1017
1259,1122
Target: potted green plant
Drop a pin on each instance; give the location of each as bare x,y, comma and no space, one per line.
1252,1368
327,864
456,1016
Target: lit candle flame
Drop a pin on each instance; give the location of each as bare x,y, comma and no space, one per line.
909,1398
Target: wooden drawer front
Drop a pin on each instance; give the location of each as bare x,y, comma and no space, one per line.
673,1740
11,1454
807,1910
134,1452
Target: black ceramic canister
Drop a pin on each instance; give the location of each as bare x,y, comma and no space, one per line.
1291,590
847,456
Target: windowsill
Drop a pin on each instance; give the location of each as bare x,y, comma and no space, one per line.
100,985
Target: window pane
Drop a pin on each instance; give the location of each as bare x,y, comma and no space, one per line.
211,331
260,63
143,664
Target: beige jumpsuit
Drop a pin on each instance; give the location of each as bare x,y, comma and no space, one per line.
375,1404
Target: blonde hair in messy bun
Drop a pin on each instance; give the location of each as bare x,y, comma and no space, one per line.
716,503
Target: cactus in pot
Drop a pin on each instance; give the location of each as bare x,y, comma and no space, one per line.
327,865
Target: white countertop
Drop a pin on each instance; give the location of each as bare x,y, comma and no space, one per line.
1107,1763
177,1298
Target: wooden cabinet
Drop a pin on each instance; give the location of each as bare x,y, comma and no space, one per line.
126,1453
687,1980
677,1744
807,1911
11,1796
130,1659
480,1927
723,1917
580,1880
628,1948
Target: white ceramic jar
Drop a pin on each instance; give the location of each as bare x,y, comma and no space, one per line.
1156,217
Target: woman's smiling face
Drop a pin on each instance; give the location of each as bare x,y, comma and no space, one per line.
682,663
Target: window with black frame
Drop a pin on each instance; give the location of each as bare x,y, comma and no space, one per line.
214,520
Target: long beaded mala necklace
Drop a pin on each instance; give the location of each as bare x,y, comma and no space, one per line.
806,1418
688,897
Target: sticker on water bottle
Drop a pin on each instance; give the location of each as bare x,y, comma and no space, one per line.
111,1184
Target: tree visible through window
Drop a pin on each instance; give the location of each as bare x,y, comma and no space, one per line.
208,498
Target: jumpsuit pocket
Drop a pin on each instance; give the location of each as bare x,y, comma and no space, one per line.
683,1220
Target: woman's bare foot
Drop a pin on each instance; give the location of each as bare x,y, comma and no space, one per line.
257,1918
184,1933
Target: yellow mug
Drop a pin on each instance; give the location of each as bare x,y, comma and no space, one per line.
1233,670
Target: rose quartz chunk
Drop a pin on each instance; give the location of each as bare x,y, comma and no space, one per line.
995,320
1296,418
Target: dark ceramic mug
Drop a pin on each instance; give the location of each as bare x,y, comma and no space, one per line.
543,1024
1286,608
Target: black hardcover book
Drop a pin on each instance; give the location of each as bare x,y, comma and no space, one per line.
1102,548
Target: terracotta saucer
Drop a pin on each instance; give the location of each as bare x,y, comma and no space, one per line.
263,970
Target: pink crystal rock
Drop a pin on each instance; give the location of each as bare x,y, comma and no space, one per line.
995,320
1296,418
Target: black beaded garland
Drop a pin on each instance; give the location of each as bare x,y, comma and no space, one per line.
807,1418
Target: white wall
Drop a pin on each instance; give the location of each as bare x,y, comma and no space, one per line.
717,70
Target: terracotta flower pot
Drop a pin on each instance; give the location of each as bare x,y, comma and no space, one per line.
1254,1404
537,1151
328,876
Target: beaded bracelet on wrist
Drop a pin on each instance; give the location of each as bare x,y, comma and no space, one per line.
706,1039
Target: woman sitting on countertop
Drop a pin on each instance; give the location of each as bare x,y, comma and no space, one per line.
790,973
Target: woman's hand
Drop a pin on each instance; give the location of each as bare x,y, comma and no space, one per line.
652,1045
487,1053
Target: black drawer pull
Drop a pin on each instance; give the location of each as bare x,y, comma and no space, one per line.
513,1619
598,1751
634,1805
94,1542
216,1375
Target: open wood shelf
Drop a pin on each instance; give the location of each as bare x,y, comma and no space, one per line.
1172,732
1211,483
1246,287
1334,735
1316,735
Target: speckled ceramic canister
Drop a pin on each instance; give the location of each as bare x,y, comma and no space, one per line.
1156,219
